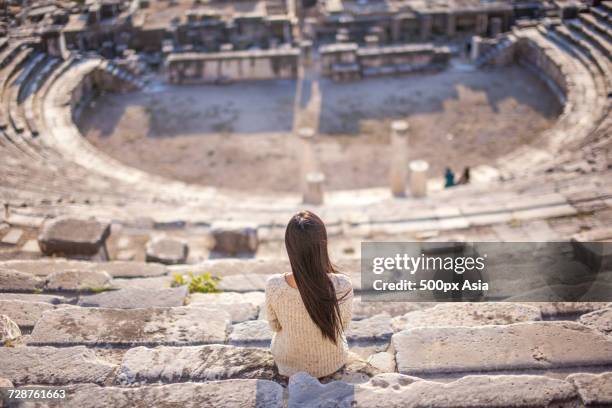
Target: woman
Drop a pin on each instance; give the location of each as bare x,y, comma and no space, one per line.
310,308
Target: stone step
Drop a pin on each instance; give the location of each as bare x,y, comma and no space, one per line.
45,267
600,320
136,298
195,363
240,306
131,327
228,393
401,391
49,365
594,390
524,347
26,314
31,297
467,315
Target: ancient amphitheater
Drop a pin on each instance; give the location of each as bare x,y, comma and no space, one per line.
90,245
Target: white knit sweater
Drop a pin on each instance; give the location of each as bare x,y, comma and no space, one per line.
298,344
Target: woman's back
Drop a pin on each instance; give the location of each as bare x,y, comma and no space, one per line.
298,343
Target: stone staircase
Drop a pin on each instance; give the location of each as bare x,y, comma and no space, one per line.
506,43
142,340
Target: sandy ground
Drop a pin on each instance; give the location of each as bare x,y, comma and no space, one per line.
239,136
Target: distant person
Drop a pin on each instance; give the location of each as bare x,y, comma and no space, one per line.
310,309
465,177
449,178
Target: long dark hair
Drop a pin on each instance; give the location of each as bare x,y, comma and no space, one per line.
306,242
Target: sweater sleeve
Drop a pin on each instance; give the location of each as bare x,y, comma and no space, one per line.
346,309
345,299
270,314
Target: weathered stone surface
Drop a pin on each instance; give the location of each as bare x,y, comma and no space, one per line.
14,281
76,280
373,329
383,361
136,298
600,320
243,283
196,363
401,391
241,306
117,269
562,309
232,239
12,238
223,267
154,283
9,331
152,326
467,314
519,346
34,297
50,365
361,309
44,267
594,389
254,333
167,251
25,314
126,269
72,236
228,393
6,383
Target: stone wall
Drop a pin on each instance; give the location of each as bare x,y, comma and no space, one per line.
88,85
344,61
232,66
536,59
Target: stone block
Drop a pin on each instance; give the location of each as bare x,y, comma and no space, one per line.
14,281
228,393
599,320
197,363
73,237
167,251
9,331
401,391
24,313
49,365
467,314
520,346
234,239
375,329
136,298
595,390
130,327
254,333
79,281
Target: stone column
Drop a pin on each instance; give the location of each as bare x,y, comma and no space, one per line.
451,24
496,26
475,51
418,178
425,27
482,21
396,30
308,161
398,171
313,189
